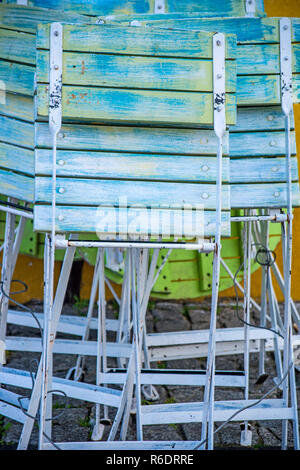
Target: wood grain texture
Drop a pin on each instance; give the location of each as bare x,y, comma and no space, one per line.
13,131
102,7
18,78
262,195
251,144
130,166
17,185
16,158
132,139
92,192
17,106
122,71
269,170
135,106
136,41
26,19
123,221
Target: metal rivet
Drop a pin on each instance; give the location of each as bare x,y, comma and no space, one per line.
204,195
61,190
56,67
272,143
61,135
61,162
219,75
286,58
60,217
218,43
285,27
270,117
56,33
276,194
204,168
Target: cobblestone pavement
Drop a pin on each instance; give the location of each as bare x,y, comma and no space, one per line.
76,422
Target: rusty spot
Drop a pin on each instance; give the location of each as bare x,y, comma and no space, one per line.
82,67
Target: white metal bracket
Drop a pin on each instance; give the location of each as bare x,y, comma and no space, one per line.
159,6
219,84
250,7
286,66
55,78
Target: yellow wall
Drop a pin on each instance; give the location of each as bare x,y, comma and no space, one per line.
31,270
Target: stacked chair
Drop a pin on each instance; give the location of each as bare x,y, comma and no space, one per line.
132,140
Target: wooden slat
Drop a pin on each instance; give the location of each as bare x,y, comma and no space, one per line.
17,46
135,72
135,106
102,7
130,166
136,41
106,192
13,131
132,139
248,30
26,19
252,144
18,78
110,220
262,195
260,118
253,170
16,185
17,106
16,158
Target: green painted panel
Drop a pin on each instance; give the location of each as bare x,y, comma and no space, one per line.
123,71
136,41
136,106
131,166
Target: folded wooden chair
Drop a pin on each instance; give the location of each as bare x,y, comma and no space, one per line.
126,124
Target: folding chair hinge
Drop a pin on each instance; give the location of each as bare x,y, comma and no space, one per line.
60,241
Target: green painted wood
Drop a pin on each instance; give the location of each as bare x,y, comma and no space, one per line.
16,158
136,41
136,106
17,185
17,106
262,195
252,144
113,220
248,30
13,131
132,139
123,71
18,78
127,7
17,46
268,170
26,19
108,192
131,166
268,118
